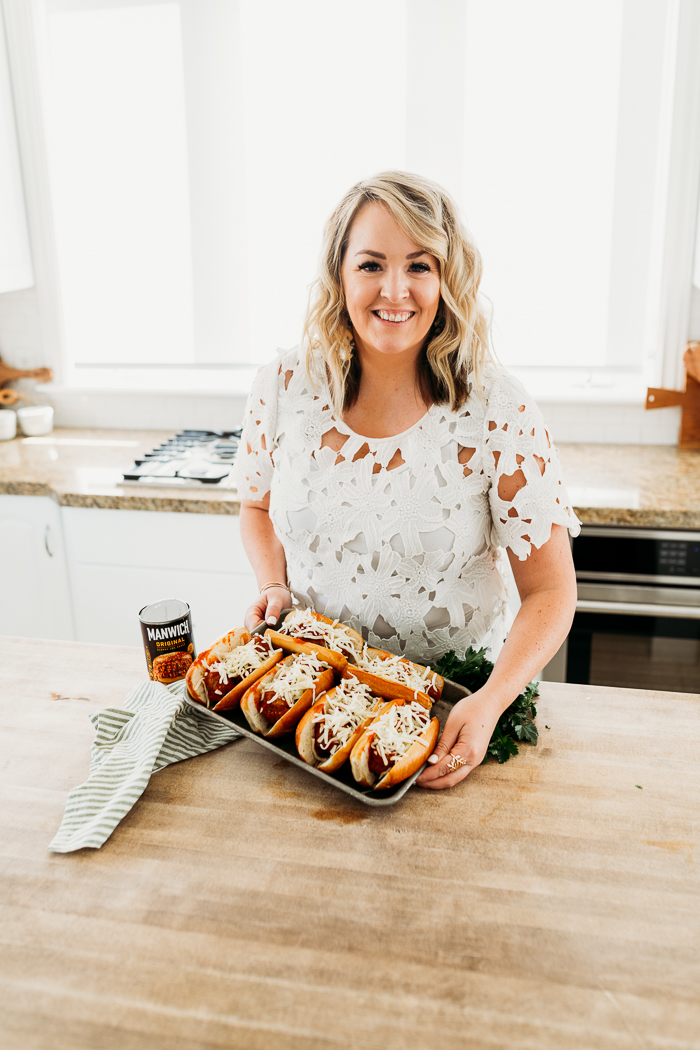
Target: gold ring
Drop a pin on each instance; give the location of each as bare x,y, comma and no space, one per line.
455,762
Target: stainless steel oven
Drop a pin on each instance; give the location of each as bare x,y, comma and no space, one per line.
637,622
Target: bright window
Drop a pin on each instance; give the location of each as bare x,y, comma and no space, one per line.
196,149
120,182
543,78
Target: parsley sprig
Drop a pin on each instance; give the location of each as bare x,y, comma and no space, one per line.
516,724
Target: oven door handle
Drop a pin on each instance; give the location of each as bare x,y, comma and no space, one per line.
677,612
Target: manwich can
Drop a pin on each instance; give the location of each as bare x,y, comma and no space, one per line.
166,627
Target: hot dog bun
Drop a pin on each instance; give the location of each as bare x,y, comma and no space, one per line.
414,676
195,679
310,626
385,688
414,758
406,764
250,703
292,645
306,730
232,698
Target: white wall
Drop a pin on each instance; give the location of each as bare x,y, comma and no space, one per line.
21,342
611,424
592,422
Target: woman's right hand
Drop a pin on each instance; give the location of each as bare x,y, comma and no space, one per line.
268,607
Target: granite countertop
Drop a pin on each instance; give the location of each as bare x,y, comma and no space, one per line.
83,468
645,486
638,485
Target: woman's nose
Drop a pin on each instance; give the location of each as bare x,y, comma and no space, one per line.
395,286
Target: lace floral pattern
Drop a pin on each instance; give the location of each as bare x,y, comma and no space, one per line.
410,555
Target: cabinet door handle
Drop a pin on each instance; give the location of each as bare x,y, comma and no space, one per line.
47,537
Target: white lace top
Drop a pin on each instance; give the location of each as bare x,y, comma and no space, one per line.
408,555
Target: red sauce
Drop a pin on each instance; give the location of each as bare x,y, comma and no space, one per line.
377,763
272,707
215,686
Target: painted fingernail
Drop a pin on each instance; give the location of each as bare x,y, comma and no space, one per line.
433,759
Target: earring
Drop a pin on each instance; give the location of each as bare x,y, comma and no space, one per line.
347,341
348,346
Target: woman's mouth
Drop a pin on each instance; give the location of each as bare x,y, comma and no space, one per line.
394,316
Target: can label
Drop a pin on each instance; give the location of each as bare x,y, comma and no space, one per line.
166,628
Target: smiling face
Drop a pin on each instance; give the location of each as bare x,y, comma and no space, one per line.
391,284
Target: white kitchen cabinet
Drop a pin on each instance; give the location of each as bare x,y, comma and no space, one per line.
121,560
35,597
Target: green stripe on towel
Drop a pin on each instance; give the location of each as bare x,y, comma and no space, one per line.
155,728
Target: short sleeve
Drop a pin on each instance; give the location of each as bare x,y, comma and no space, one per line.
252,471
516,438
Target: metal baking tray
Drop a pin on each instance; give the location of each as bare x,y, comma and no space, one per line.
286,748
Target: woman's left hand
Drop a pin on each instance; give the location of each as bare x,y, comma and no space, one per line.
466,735
547,586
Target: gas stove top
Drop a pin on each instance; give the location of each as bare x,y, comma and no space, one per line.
189,460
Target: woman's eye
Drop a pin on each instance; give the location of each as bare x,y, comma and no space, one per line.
373,267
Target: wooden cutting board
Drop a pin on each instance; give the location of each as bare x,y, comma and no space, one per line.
688,399
8,374
9,397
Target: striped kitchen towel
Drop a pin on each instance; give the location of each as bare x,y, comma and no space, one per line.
155,727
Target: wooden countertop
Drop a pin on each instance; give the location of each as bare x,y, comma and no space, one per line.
652,486
545,903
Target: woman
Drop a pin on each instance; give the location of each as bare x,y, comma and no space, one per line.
384,464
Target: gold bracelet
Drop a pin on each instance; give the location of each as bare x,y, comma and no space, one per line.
268,585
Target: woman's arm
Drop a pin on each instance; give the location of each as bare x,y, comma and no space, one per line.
547,586
266,555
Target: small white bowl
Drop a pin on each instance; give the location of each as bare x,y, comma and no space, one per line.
8,424
36,420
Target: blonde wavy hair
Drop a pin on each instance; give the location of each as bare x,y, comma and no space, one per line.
457,343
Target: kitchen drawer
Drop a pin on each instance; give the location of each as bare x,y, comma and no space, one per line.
153,539
107,599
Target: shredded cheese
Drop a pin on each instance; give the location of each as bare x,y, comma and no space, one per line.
240,662
397,729
293,679
396,669
343,713
334,636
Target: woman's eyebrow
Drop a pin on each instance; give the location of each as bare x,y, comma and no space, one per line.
380,255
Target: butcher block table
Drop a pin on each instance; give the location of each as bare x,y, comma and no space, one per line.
551,902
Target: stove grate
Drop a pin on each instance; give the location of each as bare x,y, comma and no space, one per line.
191,458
